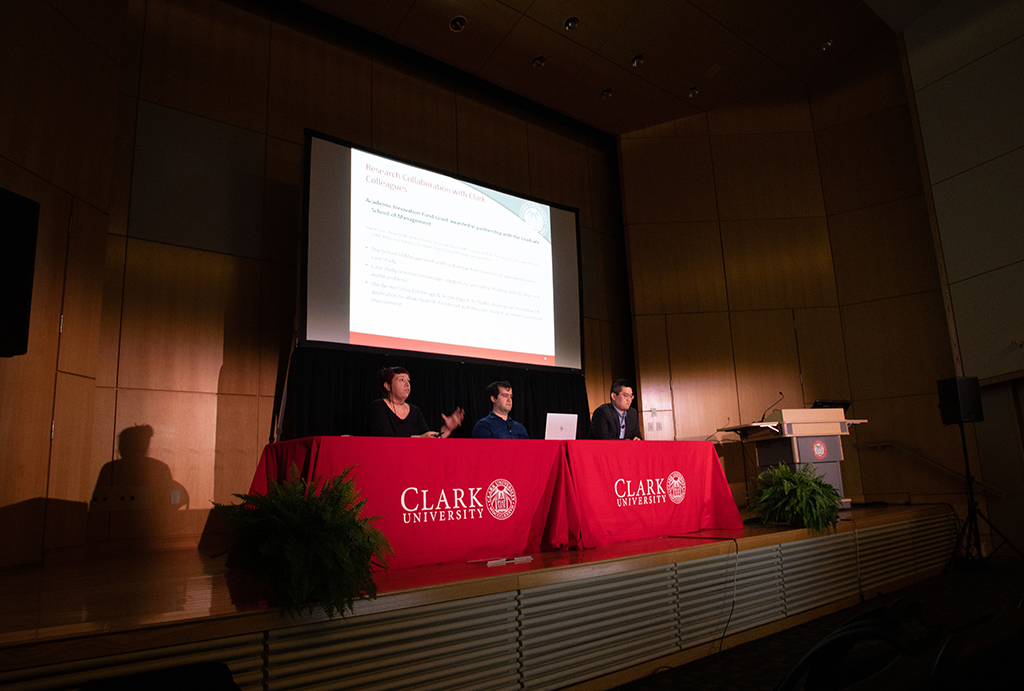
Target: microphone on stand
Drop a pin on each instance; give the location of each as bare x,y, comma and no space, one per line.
781,396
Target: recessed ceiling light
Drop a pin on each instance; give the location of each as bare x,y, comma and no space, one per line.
638,60
457,23
606,94
538,62
826,44
571,23
693,91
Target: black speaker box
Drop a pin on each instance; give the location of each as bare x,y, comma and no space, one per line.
19,225
960,400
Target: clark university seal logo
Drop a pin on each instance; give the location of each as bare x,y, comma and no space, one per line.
501,499
676,487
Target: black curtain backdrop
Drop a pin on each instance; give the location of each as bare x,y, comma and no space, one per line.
329,392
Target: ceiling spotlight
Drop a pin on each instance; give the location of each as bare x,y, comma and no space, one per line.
571,23
538,62
826,44
693,91
457,24
606,94
638,60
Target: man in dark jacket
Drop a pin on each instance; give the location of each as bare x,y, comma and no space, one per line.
617,420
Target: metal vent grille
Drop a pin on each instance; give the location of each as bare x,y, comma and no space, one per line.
819,571
934,541
705,598
759,589
463,644
884,555
575,631
242,654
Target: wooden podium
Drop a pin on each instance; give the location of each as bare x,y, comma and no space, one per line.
792,436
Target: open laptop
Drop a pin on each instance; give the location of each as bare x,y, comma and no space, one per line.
560,426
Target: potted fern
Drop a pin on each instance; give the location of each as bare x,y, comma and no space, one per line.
800,499
307,542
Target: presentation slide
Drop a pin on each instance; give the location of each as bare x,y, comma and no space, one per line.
403,258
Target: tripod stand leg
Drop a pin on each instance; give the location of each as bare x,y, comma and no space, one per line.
998,532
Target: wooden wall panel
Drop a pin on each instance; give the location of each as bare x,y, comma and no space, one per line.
676,267
868,161
190,323
413,119
914,421
492,146
703,374
652,362
989,317
983,202
618,355
266,412
559,171
766,362
778,263
973,115
58,101
605,195
131,52
277,324
182,450
110,317
771,175
883,251
104,412
692,124
237,450
83,291
123,158
282,202
605,282
787,111
207,58
102,21
819,340
27,381
72,473
952,35
896,347
667,180
317,85
869,83
197,182
594,363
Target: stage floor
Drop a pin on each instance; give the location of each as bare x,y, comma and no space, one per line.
134,597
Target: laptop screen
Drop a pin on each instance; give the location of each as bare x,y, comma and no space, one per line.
560,426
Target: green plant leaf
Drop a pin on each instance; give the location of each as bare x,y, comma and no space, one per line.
800,499
309,542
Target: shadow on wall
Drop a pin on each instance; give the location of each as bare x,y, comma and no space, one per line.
135,495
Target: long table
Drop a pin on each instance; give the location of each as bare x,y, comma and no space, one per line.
483,499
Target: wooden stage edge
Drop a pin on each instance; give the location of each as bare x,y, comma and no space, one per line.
115,605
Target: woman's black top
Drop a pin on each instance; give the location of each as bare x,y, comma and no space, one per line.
384,423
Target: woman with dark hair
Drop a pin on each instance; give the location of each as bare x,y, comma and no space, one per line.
393,416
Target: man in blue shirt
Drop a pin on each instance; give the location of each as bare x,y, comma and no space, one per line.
497,424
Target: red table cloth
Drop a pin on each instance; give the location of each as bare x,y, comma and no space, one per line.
467,499
635,490
444,500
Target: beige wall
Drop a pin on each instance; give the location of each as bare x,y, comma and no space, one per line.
966,62
785,246
163,139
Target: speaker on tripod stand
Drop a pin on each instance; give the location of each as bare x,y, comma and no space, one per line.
960,402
